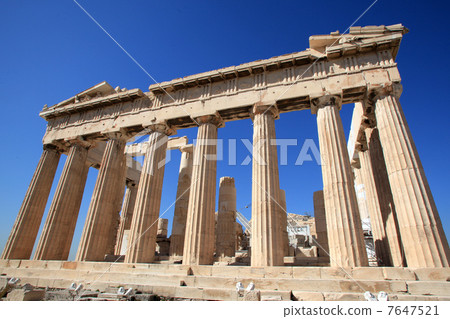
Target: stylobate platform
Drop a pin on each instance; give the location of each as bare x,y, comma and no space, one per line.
218,282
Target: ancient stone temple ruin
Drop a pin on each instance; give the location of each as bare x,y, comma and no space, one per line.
124,244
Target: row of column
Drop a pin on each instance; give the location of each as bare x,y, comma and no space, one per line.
405,221
400,200
406,227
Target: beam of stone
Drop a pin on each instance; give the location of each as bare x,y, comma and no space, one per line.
231,90
200,227
182,202
226,219
345,236
100,229
144,226
24,232
267,245
57,234
126,215
423,237
321,223
139,149
283,222
384,196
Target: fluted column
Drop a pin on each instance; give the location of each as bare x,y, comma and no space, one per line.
200,227
423,237
384,196
267,244
283,222
360,194
57,234
126,215
345,236
321,224
182,202
144,226
378,217
24,232
226,219
100,228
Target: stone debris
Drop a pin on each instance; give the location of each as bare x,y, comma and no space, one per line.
252,295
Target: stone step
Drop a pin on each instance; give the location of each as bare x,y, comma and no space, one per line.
375,273
349,296
309,282
48,277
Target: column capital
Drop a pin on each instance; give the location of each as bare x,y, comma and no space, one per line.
121,134
376,92
52,147
325,100
80,141
189,148
214,119
130,183
260,108
162,127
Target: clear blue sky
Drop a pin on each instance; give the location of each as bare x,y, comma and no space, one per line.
51,50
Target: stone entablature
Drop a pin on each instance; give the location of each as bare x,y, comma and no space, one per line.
345,69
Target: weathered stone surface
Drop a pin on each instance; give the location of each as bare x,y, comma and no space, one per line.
226,219
333,296
24,232
306,273
254,295
431,274
321,224
182,202
345,237
367,273
308,296
57,234
142,241
200,230
282,222
428,288
267,243
423,237
126,217
392,273
100,229
3,286
26,295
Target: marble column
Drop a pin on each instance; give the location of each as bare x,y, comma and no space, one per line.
144,226
361,194
423,237
24,232
345,235
321,224
163,224
57,234
182,202
200,227
384,195
377,216
283,222
100,229
267,244
226,219
126,215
